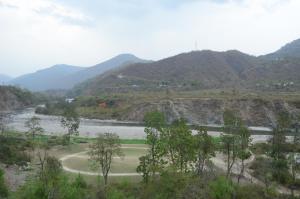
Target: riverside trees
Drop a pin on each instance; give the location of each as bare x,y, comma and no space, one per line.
70,120
278,148
174,147
205,149
34,127
235,142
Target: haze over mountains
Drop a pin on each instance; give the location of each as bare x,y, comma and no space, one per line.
4,79
193,70
66,76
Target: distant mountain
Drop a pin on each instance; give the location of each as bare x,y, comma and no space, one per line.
290,50
66,76
4,79
49,78
193,70
93,71
204,70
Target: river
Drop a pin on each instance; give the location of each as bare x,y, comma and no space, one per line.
88,127
92,127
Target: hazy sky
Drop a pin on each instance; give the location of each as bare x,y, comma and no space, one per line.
35,34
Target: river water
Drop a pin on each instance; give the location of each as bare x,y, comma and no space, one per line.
92,127
88,127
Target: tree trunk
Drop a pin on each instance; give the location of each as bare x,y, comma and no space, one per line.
105,179
242,171
228,162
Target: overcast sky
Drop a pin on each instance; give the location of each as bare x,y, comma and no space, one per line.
36,34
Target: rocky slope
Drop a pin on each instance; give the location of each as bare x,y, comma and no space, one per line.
12,98
255,112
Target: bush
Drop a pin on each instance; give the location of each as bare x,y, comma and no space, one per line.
169,184
260,148
250,192
281,172
3,187
12,151
221,188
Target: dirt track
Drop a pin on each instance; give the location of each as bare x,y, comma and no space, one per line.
80,155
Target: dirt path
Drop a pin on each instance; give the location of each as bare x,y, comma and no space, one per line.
219,162
81,155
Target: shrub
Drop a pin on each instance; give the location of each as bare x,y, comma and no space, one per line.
221,188
3,187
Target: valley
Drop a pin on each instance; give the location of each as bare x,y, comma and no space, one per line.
191,123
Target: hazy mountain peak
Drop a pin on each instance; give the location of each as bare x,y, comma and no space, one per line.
4,78
290,50
63,76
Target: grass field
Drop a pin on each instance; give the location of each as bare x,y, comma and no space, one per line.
79,159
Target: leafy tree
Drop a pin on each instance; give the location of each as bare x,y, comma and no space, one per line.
34,127
106,146
243,152
71,121
278,139
168,144
278,148
205,149
263,169
229,146
154,124
182,144
144,167
292,160
2,123
230,140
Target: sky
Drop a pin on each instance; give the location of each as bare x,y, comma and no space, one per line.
36,34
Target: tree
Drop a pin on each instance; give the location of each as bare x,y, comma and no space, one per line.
106,146
278,148
2,123
154,124
144,167
34,127
262,167
230,141
229,146
71,121
182,144
244,152
292,158
205,149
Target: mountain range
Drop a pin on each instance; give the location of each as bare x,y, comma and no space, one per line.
64,76
205,70
187,71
